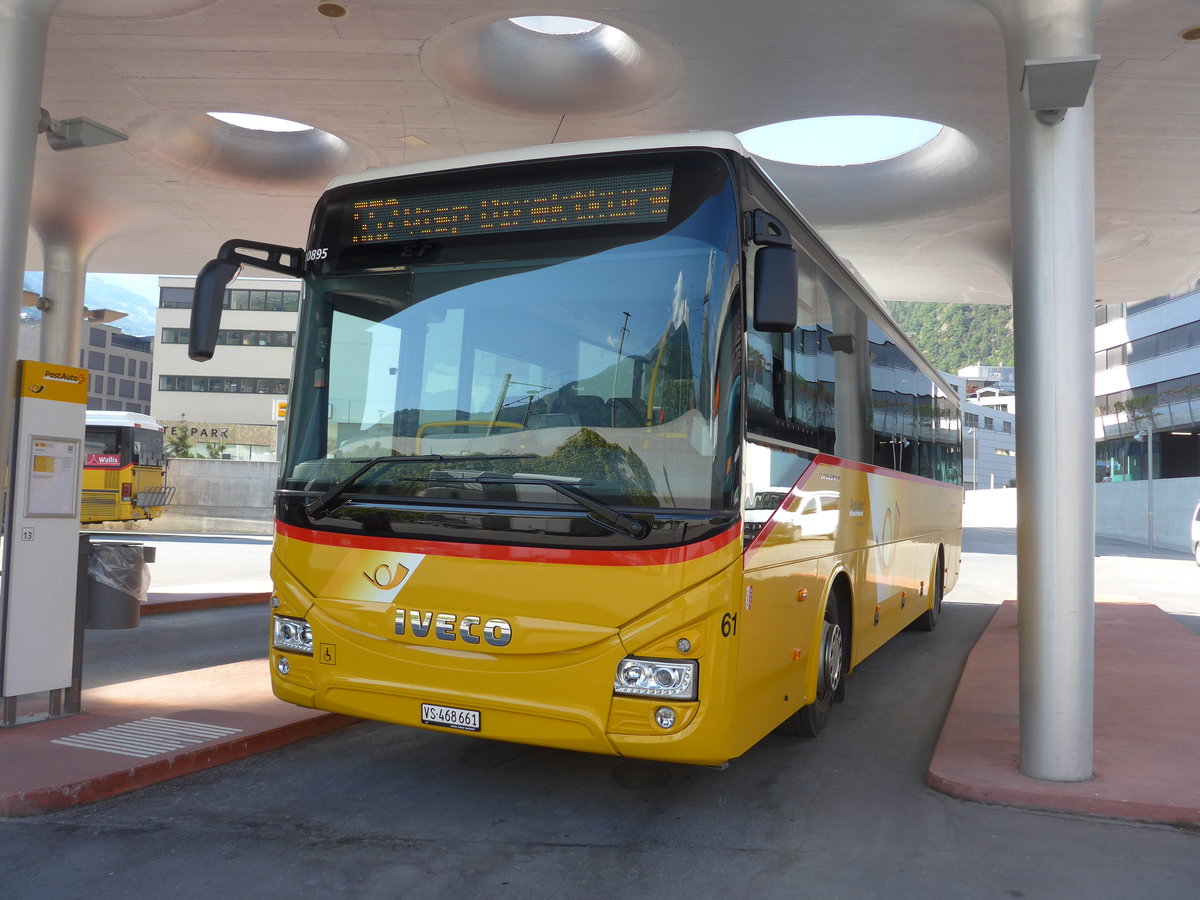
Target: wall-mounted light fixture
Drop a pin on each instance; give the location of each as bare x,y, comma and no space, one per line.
102,315
67,134
1052,86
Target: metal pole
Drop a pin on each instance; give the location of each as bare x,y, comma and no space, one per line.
24,25
65,276
1150,488
1053,235
974,458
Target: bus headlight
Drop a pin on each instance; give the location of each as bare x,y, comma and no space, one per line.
674,678
291,634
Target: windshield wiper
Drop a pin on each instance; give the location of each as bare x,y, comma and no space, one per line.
321,505
598,512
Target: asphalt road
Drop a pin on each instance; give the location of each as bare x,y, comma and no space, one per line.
380,811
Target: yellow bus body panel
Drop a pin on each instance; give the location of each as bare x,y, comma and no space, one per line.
397,623
552,683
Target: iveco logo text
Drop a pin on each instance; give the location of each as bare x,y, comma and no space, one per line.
446,627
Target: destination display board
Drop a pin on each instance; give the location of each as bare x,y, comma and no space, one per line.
633,196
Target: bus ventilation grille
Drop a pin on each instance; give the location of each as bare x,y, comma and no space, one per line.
99,504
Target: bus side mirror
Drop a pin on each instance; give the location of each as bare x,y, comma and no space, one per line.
776,288
207,299
209,294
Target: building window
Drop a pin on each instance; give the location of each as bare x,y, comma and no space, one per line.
971,420
130,342
1149,347
126,388
143,390
235,338
175,298
96,364
226,385
277,301
1007,427
271,301
97,338
112,386
989,424
116,364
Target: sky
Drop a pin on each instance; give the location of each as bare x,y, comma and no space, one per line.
822,141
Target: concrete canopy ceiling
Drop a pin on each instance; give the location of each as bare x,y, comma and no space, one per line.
392,82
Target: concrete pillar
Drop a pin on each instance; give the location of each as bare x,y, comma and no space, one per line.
65,262
1053,233
24,25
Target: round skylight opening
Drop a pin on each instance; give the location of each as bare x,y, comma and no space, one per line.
252,152
555,24
839,140
254,122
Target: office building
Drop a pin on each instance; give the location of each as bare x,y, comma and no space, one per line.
229,405
120,366
1148,389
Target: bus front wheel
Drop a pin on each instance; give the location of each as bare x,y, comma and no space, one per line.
810,720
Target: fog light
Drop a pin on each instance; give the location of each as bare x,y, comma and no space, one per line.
282,666
665,717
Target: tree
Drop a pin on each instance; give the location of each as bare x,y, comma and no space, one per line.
215,451
179,444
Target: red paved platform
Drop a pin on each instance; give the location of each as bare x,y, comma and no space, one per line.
1147,722
143,732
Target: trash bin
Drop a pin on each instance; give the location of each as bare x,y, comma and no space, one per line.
117,581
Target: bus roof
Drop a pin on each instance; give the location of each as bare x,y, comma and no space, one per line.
721,140
117,419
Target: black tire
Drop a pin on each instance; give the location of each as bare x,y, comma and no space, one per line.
927,621
810,720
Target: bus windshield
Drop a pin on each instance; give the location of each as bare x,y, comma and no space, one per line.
586,358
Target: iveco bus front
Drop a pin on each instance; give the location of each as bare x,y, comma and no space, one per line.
509,501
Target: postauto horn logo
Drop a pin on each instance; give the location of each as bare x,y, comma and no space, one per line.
420,623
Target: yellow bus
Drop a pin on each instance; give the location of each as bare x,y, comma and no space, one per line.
124,468
533,393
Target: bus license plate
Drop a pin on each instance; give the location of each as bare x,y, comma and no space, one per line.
450,717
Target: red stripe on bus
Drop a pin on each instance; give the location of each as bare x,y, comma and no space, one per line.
656,557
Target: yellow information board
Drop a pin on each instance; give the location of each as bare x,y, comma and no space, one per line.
45,381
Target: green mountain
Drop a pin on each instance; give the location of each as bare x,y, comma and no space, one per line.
955,335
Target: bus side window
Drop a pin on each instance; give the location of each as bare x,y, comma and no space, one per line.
137,453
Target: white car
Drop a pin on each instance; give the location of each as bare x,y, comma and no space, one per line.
816,512
1196,534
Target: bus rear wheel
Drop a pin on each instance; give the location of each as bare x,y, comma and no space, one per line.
810,720
927,621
